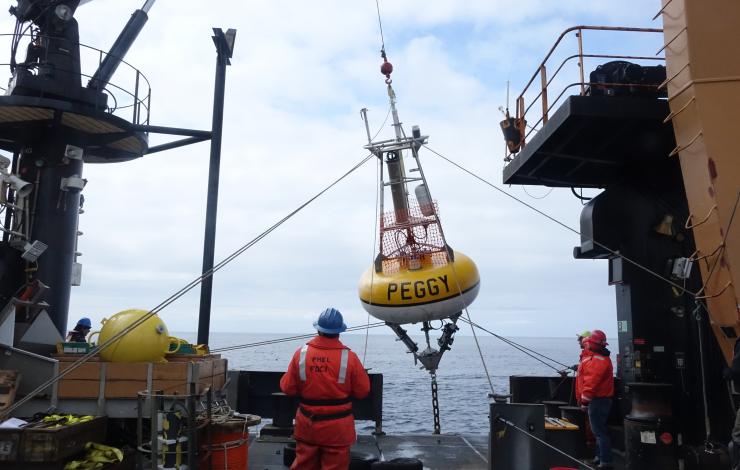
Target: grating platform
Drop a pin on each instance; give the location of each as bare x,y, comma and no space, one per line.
436,452
594,141
105,137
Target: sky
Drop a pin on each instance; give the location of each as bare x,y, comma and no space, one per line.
300,74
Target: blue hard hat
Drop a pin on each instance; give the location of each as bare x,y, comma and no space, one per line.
330,322
84,321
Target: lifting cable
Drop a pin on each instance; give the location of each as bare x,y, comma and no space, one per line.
188,287
562,224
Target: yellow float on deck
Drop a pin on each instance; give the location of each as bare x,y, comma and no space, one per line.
148,342
437,289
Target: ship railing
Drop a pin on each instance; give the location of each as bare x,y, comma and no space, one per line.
534,104
129,97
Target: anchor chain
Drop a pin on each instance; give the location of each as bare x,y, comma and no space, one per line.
435,404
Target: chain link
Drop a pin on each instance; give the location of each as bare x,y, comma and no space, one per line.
435,404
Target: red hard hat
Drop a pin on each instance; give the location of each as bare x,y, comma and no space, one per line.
597,337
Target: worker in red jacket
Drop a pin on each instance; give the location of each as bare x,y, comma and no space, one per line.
596,391
326,375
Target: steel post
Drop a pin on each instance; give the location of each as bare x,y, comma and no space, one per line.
209,242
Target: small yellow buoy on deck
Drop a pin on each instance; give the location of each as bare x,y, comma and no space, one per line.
148,342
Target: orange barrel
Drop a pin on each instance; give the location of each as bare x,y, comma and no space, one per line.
229,448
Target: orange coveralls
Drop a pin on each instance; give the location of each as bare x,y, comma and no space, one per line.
325,374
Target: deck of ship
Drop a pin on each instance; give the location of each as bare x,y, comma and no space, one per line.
436,452
445,452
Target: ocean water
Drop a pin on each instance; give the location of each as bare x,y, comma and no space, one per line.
407,403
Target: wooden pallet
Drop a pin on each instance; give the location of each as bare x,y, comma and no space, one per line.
9,382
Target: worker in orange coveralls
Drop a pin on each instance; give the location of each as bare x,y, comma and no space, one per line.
597,389
325,374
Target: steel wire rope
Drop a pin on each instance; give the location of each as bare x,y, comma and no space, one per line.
532,436
518,345
562,224
188,287
380,24
523,349
285,339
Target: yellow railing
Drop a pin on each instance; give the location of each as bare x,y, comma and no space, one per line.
526,105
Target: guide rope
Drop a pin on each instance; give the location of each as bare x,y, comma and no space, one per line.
562,224
187,288
528,351
288,339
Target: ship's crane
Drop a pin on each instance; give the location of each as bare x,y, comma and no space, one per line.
54,118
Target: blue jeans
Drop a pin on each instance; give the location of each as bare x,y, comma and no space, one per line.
598,412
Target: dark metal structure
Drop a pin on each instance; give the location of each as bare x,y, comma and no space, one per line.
224,50
53,124
669,363
254,392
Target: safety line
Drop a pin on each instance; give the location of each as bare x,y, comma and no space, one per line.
562,224
188,287
509,423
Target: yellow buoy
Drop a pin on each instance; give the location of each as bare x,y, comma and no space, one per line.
148,342
434,290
